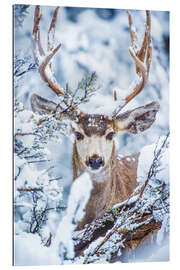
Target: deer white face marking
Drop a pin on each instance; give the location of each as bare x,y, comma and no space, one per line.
94,151
94,142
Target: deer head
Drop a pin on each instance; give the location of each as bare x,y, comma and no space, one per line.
94,133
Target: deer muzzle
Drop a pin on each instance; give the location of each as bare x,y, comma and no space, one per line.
95,163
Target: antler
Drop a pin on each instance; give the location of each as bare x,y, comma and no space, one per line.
43,59
139,57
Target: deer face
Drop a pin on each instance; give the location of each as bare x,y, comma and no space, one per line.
94,142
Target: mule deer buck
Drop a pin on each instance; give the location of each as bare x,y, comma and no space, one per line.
94,151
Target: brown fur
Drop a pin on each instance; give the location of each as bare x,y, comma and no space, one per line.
94,124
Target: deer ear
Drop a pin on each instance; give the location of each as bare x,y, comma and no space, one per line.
137,120
41,105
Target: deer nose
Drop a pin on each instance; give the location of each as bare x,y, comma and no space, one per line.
95,162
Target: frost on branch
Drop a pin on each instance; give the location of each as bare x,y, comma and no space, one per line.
37,189
138,224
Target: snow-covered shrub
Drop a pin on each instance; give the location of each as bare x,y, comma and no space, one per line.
37,190
60,248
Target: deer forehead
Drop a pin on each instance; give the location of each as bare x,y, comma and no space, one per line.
94,125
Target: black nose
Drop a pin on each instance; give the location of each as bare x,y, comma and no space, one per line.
95,162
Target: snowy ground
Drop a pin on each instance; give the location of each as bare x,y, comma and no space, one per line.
90,42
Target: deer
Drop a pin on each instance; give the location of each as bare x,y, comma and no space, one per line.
113,178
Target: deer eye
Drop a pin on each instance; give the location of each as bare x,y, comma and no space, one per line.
79,136
110,136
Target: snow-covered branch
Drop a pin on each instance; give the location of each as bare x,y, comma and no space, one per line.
37,190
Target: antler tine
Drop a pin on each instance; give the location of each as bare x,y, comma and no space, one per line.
142,69
45,68
149,40
51,81
133,36
146,44
37,48
51,31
